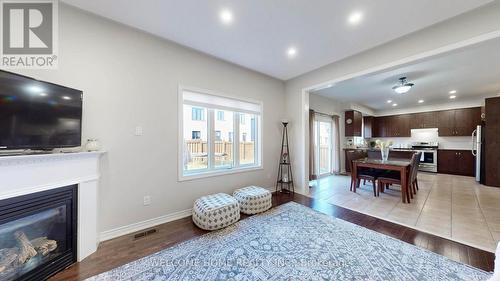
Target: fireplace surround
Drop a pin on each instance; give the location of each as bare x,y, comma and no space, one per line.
28,175
38,234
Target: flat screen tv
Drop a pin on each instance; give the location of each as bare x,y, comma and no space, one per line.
38,115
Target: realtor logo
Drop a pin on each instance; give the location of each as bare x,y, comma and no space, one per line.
29,34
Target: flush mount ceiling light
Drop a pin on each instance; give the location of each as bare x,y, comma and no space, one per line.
394,104
453,92
389,101
355,17
420,101
453,97
291,52
403,86
226,16
66,98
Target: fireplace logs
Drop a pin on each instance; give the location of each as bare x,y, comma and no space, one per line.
43,245
11,258
26,250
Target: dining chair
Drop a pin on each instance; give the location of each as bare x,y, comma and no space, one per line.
362,173
414,175
374,154
390,177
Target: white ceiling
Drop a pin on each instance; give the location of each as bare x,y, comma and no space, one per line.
474,72
263,30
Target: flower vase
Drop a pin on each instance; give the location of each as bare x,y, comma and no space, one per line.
385,153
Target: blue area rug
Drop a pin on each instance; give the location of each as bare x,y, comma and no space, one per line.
293,242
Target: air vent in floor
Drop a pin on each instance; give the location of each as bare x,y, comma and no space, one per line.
145,233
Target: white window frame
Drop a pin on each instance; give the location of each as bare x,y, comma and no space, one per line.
211,116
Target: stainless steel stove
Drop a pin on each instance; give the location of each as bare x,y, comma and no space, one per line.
429,159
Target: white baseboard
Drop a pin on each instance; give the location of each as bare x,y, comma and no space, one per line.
131,228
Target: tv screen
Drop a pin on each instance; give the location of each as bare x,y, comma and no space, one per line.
38,115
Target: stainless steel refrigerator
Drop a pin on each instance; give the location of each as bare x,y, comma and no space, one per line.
478,151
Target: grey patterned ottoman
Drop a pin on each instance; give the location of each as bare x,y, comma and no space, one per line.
215,211
253,199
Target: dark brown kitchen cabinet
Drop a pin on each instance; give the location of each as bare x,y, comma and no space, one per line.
353,123
424,120
400,125
456,162
492,143
458,122
379,127
392,126
368,126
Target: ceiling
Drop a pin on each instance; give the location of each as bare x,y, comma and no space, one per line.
473,72
263,30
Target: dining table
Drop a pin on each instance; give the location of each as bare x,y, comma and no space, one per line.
393,164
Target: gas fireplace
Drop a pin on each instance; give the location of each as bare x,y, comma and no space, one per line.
38,234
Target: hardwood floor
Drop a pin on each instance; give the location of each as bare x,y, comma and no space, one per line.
122,250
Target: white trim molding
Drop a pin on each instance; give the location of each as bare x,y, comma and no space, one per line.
27,174
142,225
131,228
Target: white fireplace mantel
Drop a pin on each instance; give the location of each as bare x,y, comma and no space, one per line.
26,174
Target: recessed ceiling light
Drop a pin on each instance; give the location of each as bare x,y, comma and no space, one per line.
226,16
453,97
389,101
394,104
420,101
355,17
66,98
291,52
43,94
453,92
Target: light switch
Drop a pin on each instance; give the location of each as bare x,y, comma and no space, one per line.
138,131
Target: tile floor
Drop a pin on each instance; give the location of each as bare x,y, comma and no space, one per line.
452,207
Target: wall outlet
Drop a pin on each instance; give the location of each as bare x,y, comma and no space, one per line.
147,200
138,131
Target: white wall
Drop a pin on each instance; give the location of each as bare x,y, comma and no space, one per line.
131,78
476,23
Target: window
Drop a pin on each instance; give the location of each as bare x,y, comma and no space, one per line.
248,137
197,114
195,135
224,149
195,139
218,134
220,115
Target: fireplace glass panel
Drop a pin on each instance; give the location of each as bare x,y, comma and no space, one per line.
31,241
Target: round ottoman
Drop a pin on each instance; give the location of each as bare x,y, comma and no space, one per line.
253,199
215,211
